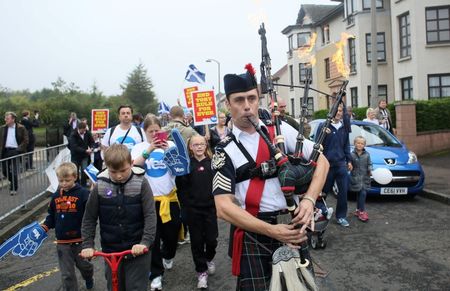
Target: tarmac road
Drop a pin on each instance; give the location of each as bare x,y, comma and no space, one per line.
404,246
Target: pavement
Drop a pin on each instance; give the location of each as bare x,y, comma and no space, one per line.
437,176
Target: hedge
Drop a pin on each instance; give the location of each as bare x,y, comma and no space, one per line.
430,114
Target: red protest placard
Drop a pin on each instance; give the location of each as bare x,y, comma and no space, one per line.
99,119
205,111
187,95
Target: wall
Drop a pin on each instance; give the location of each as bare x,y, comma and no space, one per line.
420,143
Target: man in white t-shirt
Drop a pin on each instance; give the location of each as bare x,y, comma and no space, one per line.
125,132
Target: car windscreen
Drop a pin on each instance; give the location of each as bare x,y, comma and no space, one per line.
375,135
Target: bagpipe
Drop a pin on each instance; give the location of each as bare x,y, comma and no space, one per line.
295,172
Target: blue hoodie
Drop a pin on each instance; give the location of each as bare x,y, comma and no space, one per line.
336,146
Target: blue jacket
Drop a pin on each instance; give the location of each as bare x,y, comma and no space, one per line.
65,214
336,146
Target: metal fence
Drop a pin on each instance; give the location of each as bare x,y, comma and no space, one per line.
23,178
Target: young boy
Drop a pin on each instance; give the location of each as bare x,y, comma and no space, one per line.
122,201
360,176
65,214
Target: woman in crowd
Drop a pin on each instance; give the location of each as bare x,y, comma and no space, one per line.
150,155
219,131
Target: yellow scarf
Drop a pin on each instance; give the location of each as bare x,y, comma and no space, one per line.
164,208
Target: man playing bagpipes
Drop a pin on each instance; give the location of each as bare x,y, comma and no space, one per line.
247,189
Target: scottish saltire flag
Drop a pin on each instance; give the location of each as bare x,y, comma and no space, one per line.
25,242
194,75
163,107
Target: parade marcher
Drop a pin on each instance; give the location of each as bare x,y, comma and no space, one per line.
291,121
65,215
360,176
122,202
29,124
13,142
195,190
149,155
81,145
370,116
350,112
336,149
177,121
125,132
253,204
219,131
383,114
71,125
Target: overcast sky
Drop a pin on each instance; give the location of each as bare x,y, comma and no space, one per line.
102,41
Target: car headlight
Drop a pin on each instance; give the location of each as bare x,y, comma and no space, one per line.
412,158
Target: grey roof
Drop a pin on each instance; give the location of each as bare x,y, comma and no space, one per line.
315,12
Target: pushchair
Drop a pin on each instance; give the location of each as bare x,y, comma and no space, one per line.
322,216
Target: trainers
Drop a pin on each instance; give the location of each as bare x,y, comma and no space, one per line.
330,213
363,216
187,239
202,280
343,222
156,283
89,283
12,193
211,267
168,264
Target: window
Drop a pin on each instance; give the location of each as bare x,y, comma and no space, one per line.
291,76
381,47
303,39
293,107
438,24
291,43
354,96
310,105
352,54
438,86
325,34
382,93
327,68
351,5
405,35
407,88
303,68
367,4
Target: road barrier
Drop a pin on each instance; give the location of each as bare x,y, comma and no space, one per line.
31,182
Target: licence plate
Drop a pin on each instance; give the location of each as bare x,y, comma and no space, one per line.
394,191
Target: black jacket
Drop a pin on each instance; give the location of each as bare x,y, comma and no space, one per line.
65,214
195,189
78,146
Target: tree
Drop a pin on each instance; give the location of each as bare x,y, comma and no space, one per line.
138,90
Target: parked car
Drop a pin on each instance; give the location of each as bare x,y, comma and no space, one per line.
388,152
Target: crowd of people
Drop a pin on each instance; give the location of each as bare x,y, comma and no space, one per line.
142,205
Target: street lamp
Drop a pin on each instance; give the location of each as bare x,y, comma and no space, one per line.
218,69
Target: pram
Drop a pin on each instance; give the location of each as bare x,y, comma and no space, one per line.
322,216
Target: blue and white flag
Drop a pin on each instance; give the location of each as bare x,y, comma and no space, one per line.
91,171
163,107
177,157
25,242
194,75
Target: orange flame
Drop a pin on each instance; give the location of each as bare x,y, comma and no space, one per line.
304,52
339,58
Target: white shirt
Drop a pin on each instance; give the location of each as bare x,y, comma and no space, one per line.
11,141
157,173
130,141
375,121
272,198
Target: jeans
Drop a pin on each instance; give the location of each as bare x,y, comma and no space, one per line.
361,200
340,176
81,165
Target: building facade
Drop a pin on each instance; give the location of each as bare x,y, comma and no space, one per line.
413,51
